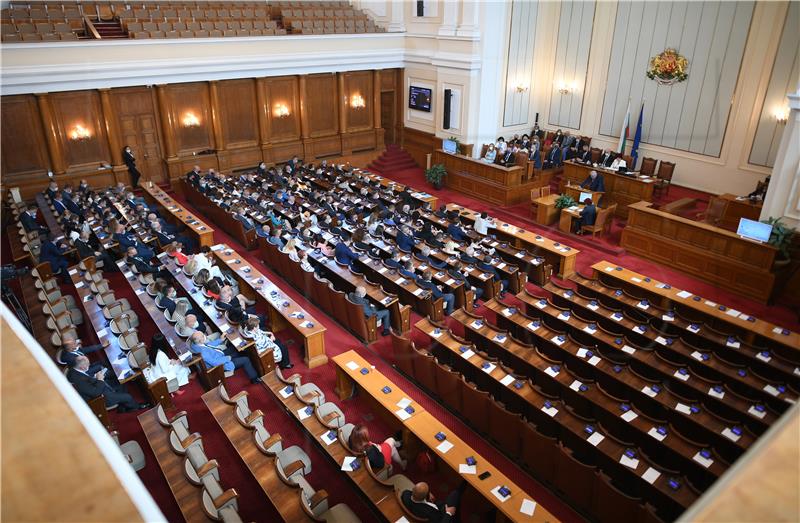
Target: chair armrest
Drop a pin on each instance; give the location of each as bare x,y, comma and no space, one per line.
253,416
191,440
226,498
274,439
318,497
292,468
238,396
207,468
177,416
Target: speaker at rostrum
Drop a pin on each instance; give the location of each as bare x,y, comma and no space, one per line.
446,119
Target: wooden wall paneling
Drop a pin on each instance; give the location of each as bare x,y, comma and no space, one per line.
238,115
285,131
318,97
51,133
167,121
137,118
110,124
377,105
24,150
359,84
81,108
185,100
216,118
418,144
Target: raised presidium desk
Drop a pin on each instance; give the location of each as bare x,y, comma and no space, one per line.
283,311
669,295
620,189
559,255
487,181
701,250
355,373
155,195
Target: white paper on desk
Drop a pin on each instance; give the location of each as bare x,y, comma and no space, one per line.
532,326
218,247
467,354
501,265
463,468
102,333
73,271
733,344
306,324
769,389
763,358
552,411
666,317
683,377
629,416
733,312
489,368
594,360
507,312
403,403
650,392
628,349
714,393
387,300
224,327
589,329
402,414
777,330
595,439
684,409
541,304
651,475
508,380
80,284
327,438
706,462
684,294
696,355
639,329
755,412
550,372
419,291
711,303
302,413
592,307
185,356
582,352
563,317
609,269
527,507
444,446
285,392
138,291
434,334
557,341
347,464
629,462
728,433
642,306
352,365
635,279
576,385
451,281
693,328
496,492
656,434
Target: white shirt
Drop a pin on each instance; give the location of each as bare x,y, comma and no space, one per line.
482,225
617,163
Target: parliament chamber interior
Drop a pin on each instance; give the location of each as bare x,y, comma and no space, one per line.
400,261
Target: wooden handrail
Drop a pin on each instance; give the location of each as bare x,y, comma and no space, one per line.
91,28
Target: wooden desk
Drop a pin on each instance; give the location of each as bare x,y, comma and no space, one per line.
561,256
284,498
567,215
421,196
670,295
620,189
154,195
575,191
486,181
381,497
424,427
701,250
283,311
546,212
188,497
737,209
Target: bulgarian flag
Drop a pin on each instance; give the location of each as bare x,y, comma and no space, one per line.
626,128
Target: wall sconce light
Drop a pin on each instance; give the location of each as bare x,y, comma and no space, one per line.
280,111
522,88
782,115
79,133
357,101
190,120
565,88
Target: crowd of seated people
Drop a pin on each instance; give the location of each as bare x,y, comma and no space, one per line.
545,149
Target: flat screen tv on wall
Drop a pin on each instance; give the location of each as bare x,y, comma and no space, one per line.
419,98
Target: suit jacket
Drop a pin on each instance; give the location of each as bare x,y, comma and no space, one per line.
588,215
424,510
87,386
606,159
168,303
597,185
456,232
508,157
404,241
555,155
369,309
125,240
51,253
429,285
29,222
69,357
130,161
84,249
245,221
165,238
344,254
142,266
59,206
586,157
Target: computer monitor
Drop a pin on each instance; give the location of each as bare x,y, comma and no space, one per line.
583,196
450,146
754,230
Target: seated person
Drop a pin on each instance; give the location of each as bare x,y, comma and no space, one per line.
456,232
491,154
425,256
266,341
405,239
170,301
94,385
379,454
161,366
275,238
192,321
606,158
509,156
487,267
469,257
554,157
594,182
585,155
407,270
393,261
322,245
420,502
28,220
448,298
166,238
457,273
588,215
127,239
344,254
228,357
133,257
618,163
441,212
483,223
359,297
175,250
291,249
305,264
263,231
54,254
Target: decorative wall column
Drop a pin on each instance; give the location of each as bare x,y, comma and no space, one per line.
304,133
51,134
167,121
110,121
376,108
216,118
397,17
470,19
263,111
449,18
783,195
343,104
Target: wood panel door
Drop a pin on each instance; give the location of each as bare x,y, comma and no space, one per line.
388,116
140,132
138,125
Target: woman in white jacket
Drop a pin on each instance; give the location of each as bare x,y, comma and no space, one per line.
162,367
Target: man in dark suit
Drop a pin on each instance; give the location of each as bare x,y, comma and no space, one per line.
54,254
52,190
359,297
394,260
130,163
588,215
344,254
568,141
449,299
59,206
425,256
509,157
554,158
127,240
28,220
165,238
245,221
142,265
606,157
487,267
92,386
586,155
468,257
405,241
594,182
456,232
421,503
86,248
